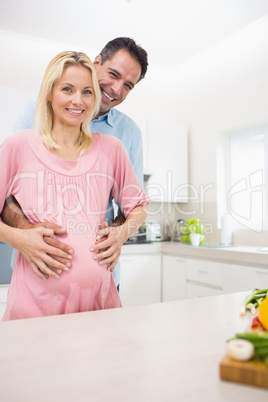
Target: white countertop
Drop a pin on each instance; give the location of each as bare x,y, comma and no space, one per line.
158,352
233,254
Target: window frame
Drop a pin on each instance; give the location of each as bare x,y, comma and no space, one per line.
230,137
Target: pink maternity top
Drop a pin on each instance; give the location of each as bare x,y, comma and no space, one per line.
73,194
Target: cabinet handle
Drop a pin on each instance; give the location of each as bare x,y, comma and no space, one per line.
127,259
261,272
178,260
202,272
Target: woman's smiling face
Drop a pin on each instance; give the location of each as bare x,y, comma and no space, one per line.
72,97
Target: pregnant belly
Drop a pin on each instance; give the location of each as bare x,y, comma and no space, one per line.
83,288
86,286
85,271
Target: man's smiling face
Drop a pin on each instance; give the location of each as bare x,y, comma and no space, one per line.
117,77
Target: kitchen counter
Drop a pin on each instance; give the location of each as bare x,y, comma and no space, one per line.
233,254
158,352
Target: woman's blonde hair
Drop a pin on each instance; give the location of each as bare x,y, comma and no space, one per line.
43,117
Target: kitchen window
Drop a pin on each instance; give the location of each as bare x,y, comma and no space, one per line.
246,179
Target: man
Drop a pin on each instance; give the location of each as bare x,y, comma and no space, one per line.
120,66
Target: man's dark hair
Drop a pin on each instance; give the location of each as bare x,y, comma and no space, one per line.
128,44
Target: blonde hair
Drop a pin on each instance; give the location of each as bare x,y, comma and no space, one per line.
43,117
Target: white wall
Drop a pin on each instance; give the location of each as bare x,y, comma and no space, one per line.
221,89
12,102
24,59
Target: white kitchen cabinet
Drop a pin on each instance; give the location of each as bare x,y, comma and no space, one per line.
145,279
173,278
140,281
204,278
194,290
207,272
167,158
3,299
239,278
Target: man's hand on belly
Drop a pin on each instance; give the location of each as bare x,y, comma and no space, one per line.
39,254
63,259
51,255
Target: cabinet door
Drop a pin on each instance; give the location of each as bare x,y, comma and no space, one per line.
239,278
207,272
204,278
193,291
168,161
3,299
140,279
173,278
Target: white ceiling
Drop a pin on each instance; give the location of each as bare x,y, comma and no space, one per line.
171,31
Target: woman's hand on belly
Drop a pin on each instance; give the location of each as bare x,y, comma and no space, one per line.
108,245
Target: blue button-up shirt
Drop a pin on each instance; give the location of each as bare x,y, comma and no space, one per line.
115,123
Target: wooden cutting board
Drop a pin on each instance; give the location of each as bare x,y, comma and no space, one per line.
253,372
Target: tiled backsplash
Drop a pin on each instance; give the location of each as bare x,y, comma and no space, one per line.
167,214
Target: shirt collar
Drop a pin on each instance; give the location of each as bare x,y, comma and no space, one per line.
108,117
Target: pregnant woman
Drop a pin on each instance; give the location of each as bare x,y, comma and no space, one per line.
60,172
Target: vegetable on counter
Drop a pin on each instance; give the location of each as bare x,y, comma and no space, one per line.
253,300
256,323
263,313
259,341
238,348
